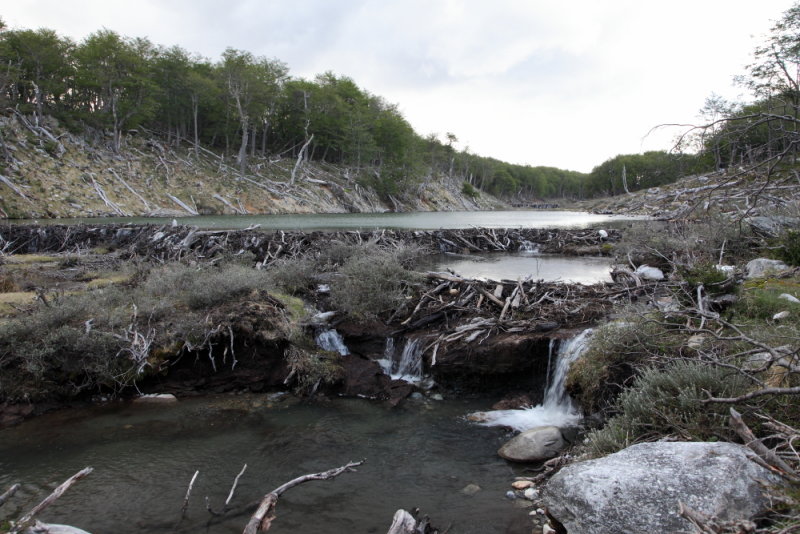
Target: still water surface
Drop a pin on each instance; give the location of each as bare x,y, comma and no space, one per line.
548,267
367,221
420,455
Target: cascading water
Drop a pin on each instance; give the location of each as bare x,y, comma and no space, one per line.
332,341
557,409
405,366
529,248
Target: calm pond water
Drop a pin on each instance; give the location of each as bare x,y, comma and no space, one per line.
420,455
547,267
367,221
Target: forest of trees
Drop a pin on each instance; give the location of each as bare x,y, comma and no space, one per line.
244,105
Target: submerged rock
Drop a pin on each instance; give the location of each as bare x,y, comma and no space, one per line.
470,489
639,488
534,445
761,267
156,398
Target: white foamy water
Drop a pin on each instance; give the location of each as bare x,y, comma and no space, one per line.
557,408
407,365
332,341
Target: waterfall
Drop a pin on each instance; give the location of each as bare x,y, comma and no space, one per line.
528,247
557,409
550,347
332,341
405,366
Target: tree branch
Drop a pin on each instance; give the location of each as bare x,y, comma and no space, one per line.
262,518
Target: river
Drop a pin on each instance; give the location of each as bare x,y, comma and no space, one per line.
419,455
368,221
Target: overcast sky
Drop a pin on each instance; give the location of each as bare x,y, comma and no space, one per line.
540,82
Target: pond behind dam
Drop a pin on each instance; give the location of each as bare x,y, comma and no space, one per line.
424,220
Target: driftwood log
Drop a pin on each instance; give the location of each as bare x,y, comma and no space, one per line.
263,516
28,520
405,523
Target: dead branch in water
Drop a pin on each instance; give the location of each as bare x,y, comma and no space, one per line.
262,518
28,518
8,494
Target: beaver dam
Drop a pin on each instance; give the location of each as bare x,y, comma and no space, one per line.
286,326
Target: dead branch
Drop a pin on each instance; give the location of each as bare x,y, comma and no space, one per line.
8,494
754,394
402,523
188,494
702,522
300,156
27,519
182,204
13,187
131,189
104,197
226,506
262,518
755,445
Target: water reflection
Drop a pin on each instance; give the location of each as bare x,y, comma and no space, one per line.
368,221
547,267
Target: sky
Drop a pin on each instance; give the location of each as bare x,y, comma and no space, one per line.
535,82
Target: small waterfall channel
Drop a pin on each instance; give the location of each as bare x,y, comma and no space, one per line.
557,409
405,365
332,341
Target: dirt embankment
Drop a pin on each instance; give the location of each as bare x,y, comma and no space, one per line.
79,176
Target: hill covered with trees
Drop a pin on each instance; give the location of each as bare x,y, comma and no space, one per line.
250,111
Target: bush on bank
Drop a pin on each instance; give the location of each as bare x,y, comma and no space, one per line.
104,339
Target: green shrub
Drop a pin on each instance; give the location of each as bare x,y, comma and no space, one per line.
615,352
705,273
469,191
668,401
759,301
788,248
293,275
204,286
63,362
371,284
312,369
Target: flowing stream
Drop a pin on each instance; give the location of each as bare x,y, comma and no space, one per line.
557,408
422,454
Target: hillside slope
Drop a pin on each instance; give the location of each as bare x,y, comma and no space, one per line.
48,172
735,192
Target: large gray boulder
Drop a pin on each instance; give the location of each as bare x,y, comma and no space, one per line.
638,489
534,445
761,267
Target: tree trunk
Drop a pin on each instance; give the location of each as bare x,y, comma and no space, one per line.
242,158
